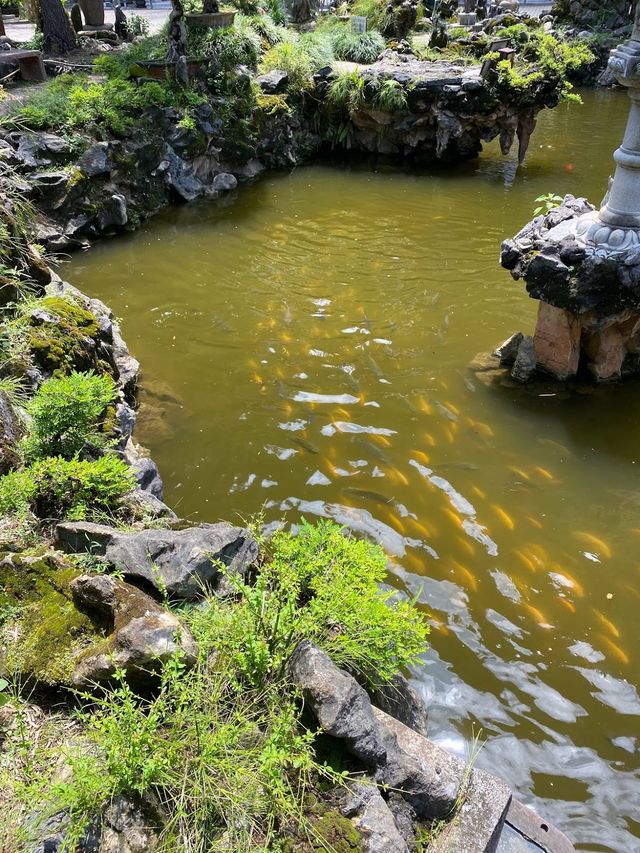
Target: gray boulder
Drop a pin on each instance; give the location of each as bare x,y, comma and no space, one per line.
181,563
141,636
10,433
274,82
96,160
398,698
224,182
371,816
343,710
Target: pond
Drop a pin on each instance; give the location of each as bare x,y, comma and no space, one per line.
305,352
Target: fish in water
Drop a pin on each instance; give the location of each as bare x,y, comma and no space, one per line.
615,650
373,449
287,315
458,466
594,542
373,364
446,411
519,472
504,517
219,323
608,624
305,445
421,456
353,383
369,495
547,475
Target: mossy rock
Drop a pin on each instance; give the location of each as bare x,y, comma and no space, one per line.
62,336
328,830
42,633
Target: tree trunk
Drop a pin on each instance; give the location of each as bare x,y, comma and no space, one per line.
177,33
55,25
2,30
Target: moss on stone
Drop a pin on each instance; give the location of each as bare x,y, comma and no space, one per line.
67,341
42,632
327,830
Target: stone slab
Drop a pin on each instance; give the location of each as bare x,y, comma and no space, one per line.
525,831
478,824
557,341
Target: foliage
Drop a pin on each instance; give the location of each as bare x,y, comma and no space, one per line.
137,26
60,335
73,100
227,47
346,93
358,47
318,46
55,488
547,203
390,97
293,59
66,416
543,66
322,585
268,28
375,11
122,63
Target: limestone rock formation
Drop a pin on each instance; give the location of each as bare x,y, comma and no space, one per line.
180,563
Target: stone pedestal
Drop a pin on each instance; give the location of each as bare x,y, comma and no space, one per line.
589,313
467,19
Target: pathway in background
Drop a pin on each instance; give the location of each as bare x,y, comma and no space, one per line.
21,30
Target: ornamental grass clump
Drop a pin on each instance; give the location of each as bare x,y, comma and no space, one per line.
68,416
358,47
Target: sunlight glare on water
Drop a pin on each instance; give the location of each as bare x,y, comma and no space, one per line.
305,350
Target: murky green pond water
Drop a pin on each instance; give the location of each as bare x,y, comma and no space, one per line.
305,351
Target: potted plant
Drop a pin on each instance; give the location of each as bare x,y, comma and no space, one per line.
211,16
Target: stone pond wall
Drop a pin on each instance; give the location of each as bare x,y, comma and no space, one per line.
605,14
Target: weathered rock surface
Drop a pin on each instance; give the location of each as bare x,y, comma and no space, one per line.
371,816
73,629
589,300
141,636
182,563
343,710
450,111
10,434
399,699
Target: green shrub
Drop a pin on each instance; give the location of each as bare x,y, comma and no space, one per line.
358,47
325,586
55,488
137,26
293,59
72,100
66,414
318,46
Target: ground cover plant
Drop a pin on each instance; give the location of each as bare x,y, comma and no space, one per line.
222,750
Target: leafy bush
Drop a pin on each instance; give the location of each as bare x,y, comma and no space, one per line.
72,100
66,414
324,586
137,26
55,488
293,59
358,47
268,28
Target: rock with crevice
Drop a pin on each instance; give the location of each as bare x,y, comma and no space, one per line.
141,635
366,808
344,711
181,563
